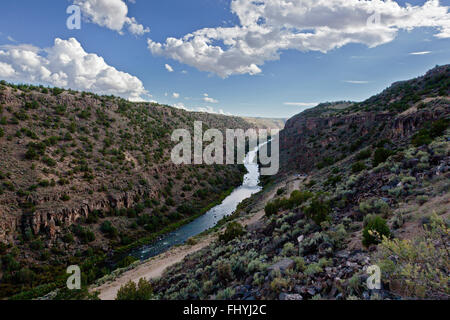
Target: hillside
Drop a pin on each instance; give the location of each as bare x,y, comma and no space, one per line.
81,175
360,186
330,132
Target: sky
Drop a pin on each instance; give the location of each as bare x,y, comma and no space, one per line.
266,58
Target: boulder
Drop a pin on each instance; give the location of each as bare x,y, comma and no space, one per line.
282,265
291,297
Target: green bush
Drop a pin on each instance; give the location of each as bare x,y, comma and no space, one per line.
298,197
380,156
128,260
421,266
376,228
363,155
426,135
108,229
318,211
358,167
143,291
2,132
270,209
234,230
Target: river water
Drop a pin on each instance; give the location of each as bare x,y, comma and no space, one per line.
210,219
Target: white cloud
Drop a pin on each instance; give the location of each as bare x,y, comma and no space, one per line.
168,67
301,104
112,14
180,105
175,95
356,81
208,99
420,53
267,27
206,109
67,65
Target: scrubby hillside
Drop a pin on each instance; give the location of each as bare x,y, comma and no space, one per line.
81,175
371,187
326,134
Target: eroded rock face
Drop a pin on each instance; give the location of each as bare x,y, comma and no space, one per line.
8,225
51,220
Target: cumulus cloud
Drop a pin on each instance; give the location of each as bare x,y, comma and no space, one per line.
68,65
168,67
112,14
208,99
267,27
175,95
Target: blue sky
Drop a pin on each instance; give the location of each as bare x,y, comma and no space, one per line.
268,82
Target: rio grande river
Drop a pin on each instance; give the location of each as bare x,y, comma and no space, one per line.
249,187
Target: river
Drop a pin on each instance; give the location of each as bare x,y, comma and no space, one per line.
210,219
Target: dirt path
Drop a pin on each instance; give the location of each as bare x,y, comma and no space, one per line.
155,267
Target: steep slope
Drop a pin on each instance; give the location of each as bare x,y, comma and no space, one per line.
82,174
329,133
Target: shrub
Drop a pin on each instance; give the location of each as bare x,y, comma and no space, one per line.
68,238
363,155
85,235
380,156
333,180
108,229
224,271
378,206
37,245
143,291
426,135
2,132
289,249
313,268
225,294
318,211
358,167
279,284
233,231
418,267
270,209
298,197
128,260
376,228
